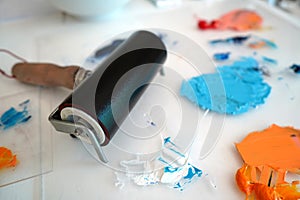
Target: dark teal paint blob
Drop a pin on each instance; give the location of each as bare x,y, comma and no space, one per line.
244,87
295,68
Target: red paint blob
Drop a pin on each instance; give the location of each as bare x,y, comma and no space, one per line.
238,20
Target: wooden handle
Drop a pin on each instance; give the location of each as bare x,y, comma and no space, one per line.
45,74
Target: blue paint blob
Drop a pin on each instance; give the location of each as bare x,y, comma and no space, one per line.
193,171
243,83
221,56
295,68
231,40
13,117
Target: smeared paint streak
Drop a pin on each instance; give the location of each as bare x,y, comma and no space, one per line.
271,151
243,83
295,68
259,43
250,41
173,174
221,56
7,159
231,40
179,177
269,60
238,20
13,117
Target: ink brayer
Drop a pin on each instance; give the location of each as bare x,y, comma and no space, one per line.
97,107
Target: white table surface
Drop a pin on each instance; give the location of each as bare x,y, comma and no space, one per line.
65,40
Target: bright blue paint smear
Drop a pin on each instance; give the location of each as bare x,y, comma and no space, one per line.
181,176
177,177
221,56
231,40
243,83
168,140
295,68
171,174
13,117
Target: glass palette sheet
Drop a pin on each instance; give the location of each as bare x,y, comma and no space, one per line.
24,130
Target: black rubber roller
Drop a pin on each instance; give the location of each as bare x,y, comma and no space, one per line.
105,99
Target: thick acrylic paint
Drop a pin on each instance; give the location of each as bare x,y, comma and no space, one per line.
7,158
244,86
268,155
238,20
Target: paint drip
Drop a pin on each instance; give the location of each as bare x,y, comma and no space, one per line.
7,159
268,155
238,20
170,168
243,83
12,117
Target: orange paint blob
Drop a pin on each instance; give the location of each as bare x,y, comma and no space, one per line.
240,20
7,159
268,156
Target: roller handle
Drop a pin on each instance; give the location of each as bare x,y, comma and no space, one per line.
45,74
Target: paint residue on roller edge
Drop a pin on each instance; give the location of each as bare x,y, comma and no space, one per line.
243,83
268,155
13,116
170,168
7,159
